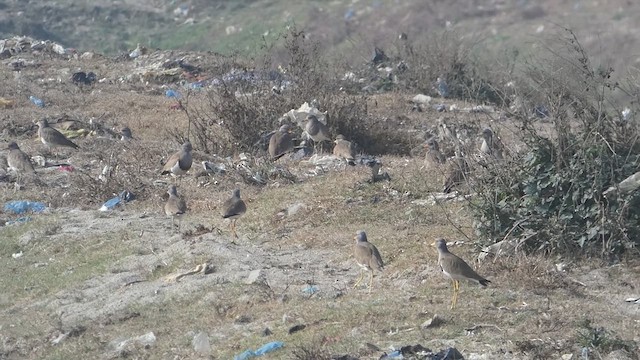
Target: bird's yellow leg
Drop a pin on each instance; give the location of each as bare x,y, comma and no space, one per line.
359,280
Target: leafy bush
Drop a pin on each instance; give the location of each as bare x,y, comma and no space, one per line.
551,196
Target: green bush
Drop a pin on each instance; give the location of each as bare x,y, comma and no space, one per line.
551,196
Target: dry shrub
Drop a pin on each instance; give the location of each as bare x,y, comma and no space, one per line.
248,103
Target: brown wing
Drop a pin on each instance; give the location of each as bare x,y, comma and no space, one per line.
170,163
233,207
56,138
20,161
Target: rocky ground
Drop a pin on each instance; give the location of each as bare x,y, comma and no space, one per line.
80,283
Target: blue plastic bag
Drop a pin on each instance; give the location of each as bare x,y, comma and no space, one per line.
266,348
172,94
269,347
36,101
22,206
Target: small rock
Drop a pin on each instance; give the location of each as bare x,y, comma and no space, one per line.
618,355
146,340
267,332
243,319
433,322
201,343
295,208
256,277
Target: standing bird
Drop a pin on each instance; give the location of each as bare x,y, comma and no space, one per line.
456,173
180,162
125,133
18,161
367,256
175,205
456,269
317,131
233,209
281,142
52,138
345,149
491,145
434,156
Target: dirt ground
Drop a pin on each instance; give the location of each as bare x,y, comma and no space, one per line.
79,283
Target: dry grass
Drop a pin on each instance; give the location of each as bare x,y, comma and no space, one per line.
529,311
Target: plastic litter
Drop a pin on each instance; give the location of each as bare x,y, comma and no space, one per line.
269,347
36,101
66,168
20,220
172,94
124,196
22,206
266,348
394,355
310,289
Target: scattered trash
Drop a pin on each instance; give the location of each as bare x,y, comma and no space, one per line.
201,343
635,300
394,355
6,103
442,87
297,328
110,204
172,94
66,168
22,206
82,78
266,348
20,220
310,289
17,255
36,101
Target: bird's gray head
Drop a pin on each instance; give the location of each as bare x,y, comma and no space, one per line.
236,193
487,133
125,132
284,128
187,146
361,236
339,137
172,190
441,244
43,123
13,146
312,118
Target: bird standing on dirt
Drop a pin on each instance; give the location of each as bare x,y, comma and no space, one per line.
344,149
317,131
233,208
367,256
52,138
175,205
180,162
281,142
18,161
456,173
491,145
433,157
456,269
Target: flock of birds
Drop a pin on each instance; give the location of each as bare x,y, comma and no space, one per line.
281,142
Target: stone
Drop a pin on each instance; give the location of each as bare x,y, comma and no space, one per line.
201,343
257,276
